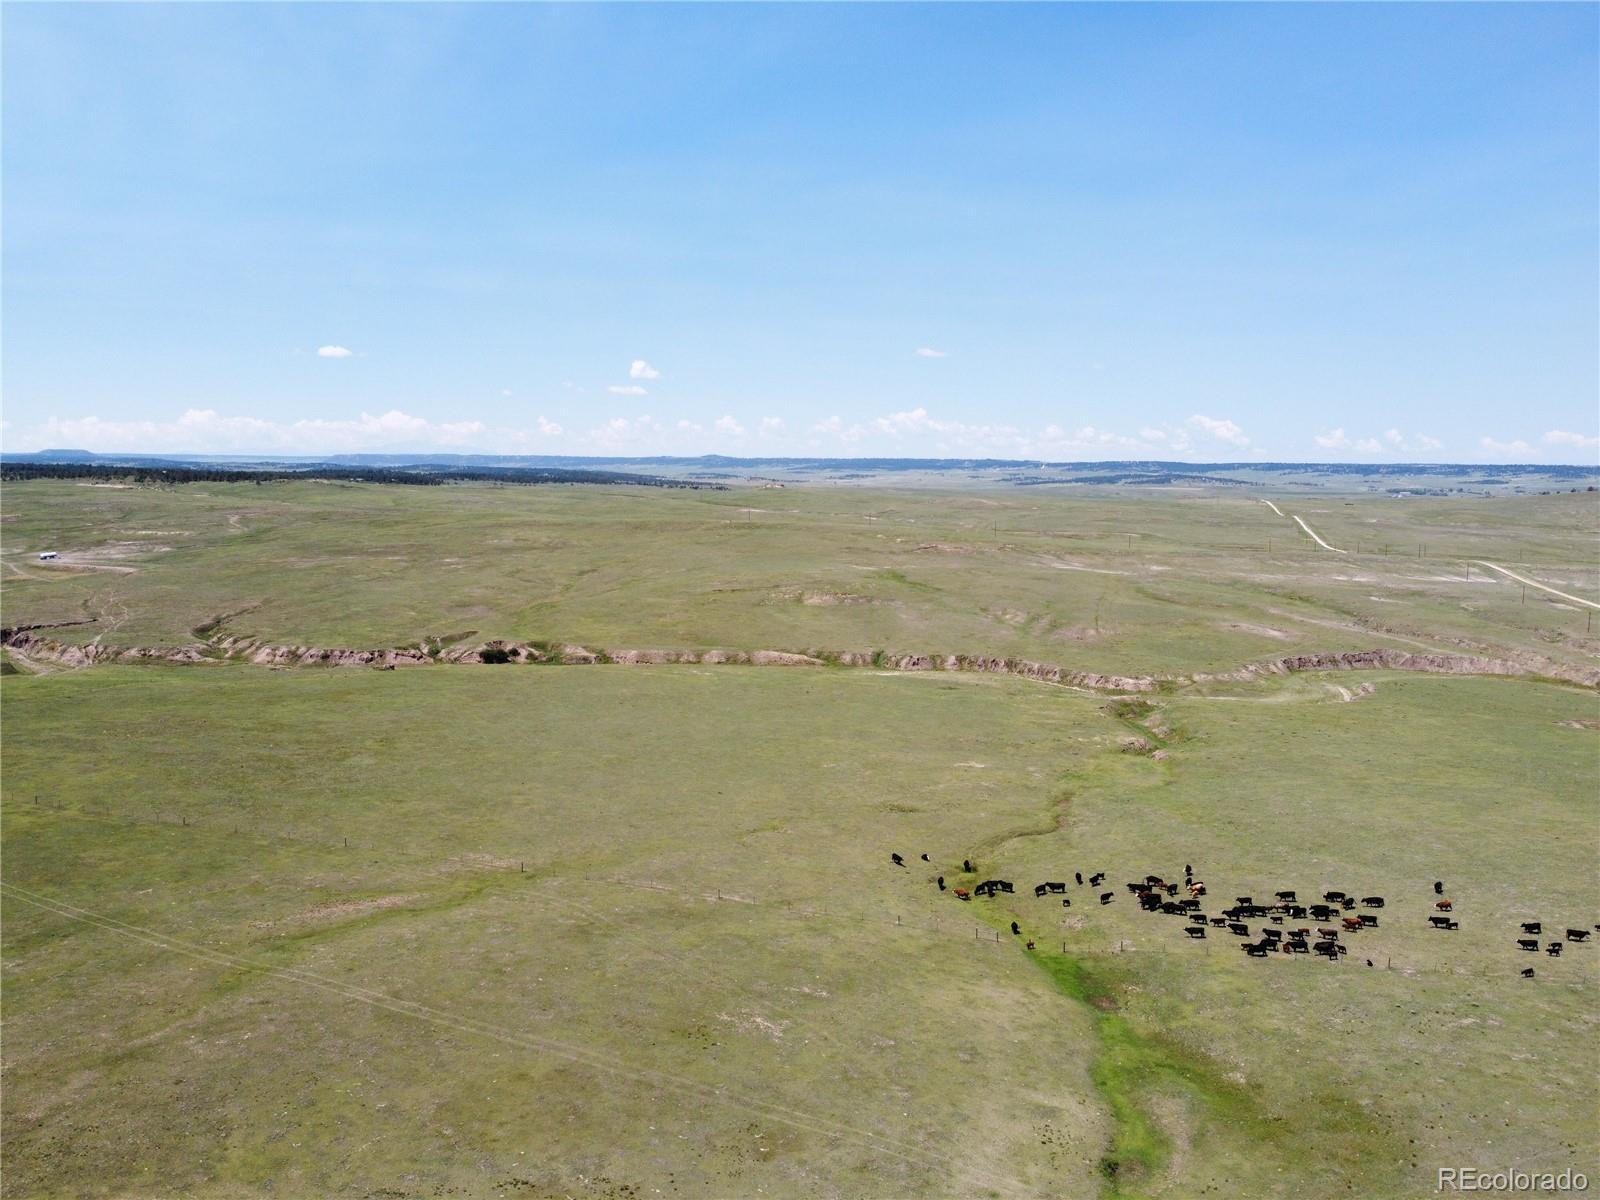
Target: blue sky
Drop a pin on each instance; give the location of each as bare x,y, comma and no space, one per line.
1074,232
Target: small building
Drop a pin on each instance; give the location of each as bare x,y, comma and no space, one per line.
48,555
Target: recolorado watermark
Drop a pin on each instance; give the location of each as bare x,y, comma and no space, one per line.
1472,1179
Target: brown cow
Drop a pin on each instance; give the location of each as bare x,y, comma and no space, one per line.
1444,905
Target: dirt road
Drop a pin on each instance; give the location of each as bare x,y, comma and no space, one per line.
1535,584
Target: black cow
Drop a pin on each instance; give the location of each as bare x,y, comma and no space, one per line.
1066,902
1187,869
897,860
1527,943
1005,885
1527,972
1097,878
1239,928
1333,897
1196,931
1244,899
1057,888
966,865
1078,875
1296,912
924,858
1107,897
1014,928
1287,897
941,883
1276,918
1372,901
1155,881
1219,922
1441,922
1256,949
1553,949
1149,901
1329,950
1039,890
1298,947
1272,935
1320,912
1532,927
1577,935
1438,887
1369,921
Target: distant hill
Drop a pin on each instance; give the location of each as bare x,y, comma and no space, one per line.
718,470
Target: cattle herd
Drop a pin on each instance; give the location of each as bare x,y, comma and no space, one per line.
1336,918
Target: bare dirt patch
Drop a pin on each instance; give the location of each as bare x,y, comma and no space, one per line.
338,910
1266,631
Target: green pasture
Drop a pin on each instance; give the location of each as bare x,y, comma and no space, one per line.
620,932
1118,583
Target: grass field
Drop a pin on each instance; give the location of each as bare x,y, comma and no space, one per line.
633,931
1120,584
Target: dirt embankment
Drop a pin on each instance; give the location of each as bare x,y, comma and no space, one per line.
1405,660
28,642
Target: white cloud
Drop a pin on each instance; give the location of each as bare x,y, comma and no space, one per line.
1222,431
334,352
1336,439
930,352
549,428
729,426
1517,448
639,369
627,389
205,431
1580,441
505,392
1429,443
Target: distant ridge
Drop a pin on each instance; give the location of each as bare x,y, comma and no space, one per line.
721,462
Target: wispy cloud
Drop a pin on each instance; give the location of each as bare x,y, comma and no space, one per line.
639,369
930,352
335,352
1218,430
1512,449
1578,441
206,431
627,389
917,431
